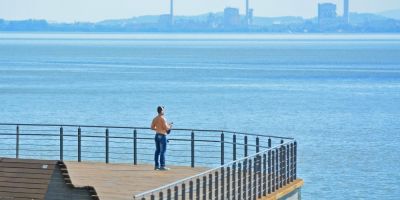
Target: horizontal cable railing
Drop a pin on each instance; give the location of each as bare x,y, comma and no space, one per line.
127,144
140,128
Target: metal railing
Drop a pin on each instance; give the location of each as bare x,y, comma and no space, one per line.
126,144
250,178
245,165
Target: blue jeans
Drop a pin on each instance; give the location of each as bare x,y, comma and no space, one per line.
161,148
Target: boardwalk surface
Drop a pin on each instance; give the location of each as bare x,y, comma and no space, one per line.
121,181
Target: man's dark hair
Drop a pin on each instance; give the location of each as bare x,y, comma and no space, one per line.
159,109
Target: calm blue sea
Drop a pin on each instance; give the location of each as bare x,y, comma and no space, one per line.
338,95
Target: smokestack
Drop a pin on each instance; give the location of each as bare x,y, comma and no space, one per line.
171,12
247,12
346,11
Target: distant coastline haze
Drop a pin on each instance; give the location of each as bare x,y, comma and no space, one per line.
95,11
331,17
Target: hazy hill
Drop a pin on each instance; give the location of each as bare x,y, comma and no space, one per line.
214,22
394,14
356,18
262,21
135,20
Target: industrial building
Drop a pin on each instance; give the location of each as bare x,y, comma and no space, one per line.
231,17
326,13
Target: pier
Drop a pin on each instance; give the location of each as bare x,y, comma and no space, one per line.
118,161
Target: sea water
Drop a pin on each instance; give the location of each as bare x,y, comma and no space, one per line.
338,95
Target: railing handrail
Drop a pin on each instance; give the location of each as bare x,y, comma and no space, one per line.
210,170
121,137
145,128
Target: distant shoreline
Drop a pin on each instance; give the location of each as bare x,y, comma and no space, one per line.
198,36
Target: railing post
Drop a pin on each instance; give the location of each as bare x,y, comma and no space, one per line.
277,176
259,176
198,189
264,175
257,144
239,193
79,144
210,189
283,164
176,193
17,142
272,172
250,179
192,149
107,145
169,194
287,161
134,147
228,183
255,172
222,183
233,182
234,147
61,143
216,185
222,148
269,172
161,195
191,190
152,197
183,191
291,161
269,143
244,179
245,146
295,161
204,188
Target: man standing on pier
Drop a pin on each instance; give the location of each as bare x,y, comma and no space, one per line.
162,128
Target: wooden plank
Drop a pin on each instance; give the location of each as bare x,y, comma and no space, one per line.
25,175
6,195
24,180
24,185
25,165
28,161
24,170
24,190
22,198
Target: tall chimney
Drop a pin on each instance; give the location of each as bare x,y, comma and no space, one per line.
346,11
171,12
247,12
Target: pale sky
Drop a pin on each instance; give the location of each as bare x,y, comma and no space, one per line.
97,10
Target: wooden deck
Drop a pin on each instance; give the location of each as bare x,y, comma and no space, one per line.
122,181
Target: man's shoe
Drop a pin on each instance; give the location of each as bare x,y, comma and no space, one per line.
164,169
156,168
